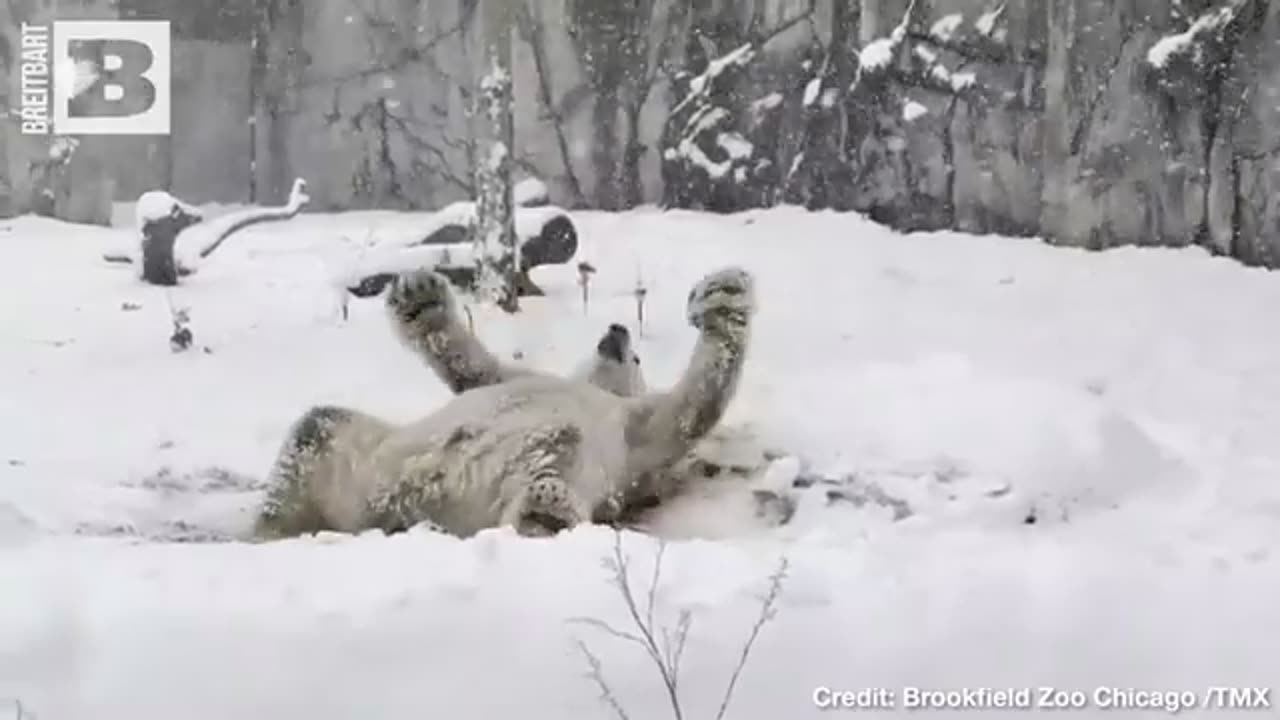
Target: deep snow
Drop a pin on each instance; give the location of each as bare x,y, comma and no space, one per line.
1129,401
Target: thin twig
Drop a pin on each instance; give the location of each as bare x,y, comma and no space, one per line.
596,673
624,582
768,610
608,629
653,581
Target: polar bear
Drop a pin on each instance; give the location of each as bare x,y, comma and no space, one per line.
515,446
726,474
462,362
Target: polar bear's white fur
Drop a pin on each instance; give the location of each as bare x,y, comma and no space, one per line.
514,447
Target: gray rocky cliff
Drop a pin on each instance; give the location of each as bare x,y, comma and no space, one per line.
1091,123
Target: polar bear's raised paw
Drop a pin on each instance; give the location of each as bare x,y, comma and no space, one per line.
421,297
725,296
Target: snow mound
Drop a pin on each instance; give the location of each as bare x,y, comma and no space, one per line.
1046,446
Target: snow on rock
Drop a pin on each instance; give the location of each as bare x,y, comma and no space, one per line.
736,146
946,26
962,80
811,91
877,54
706,119
986,23
943,76
738,56
689,150
1188,40
768,102
935,392
913,110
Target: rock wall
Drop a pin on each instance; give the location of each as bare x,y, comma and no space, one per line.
1082,132
1157,126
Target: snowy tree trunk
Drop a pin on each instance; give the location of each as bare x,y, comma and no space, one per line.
497,253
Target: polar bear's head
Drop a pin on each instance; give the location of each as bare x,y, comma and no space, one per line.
615,367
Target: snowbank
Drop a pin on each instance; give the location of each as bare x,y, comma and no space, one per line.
935,389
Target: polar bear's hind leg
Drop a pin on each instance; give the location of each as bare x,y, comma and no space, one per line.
545,502
321,445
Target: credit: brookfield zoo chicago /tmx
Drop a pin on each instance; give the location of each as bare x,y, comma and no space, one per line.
1043,698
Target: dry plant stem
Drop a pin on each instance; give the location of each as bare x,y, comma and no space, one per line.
665,646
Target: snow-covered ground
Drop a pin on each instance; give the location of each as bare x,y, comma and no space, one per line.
1129,402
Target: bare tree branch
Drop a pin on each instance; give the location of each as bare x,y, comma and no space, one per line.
405,55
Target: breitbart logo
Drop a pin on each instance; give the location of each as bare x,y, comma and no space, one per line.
95,77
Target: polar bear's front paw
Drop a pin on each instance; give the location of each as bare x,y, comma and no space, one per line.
725,295
421,296
546,508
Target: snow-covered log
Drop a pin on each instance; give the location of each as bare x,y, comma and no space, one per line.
546,236
173,235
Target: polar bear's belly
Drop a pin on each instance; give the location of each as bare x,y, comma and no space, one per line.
462,467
